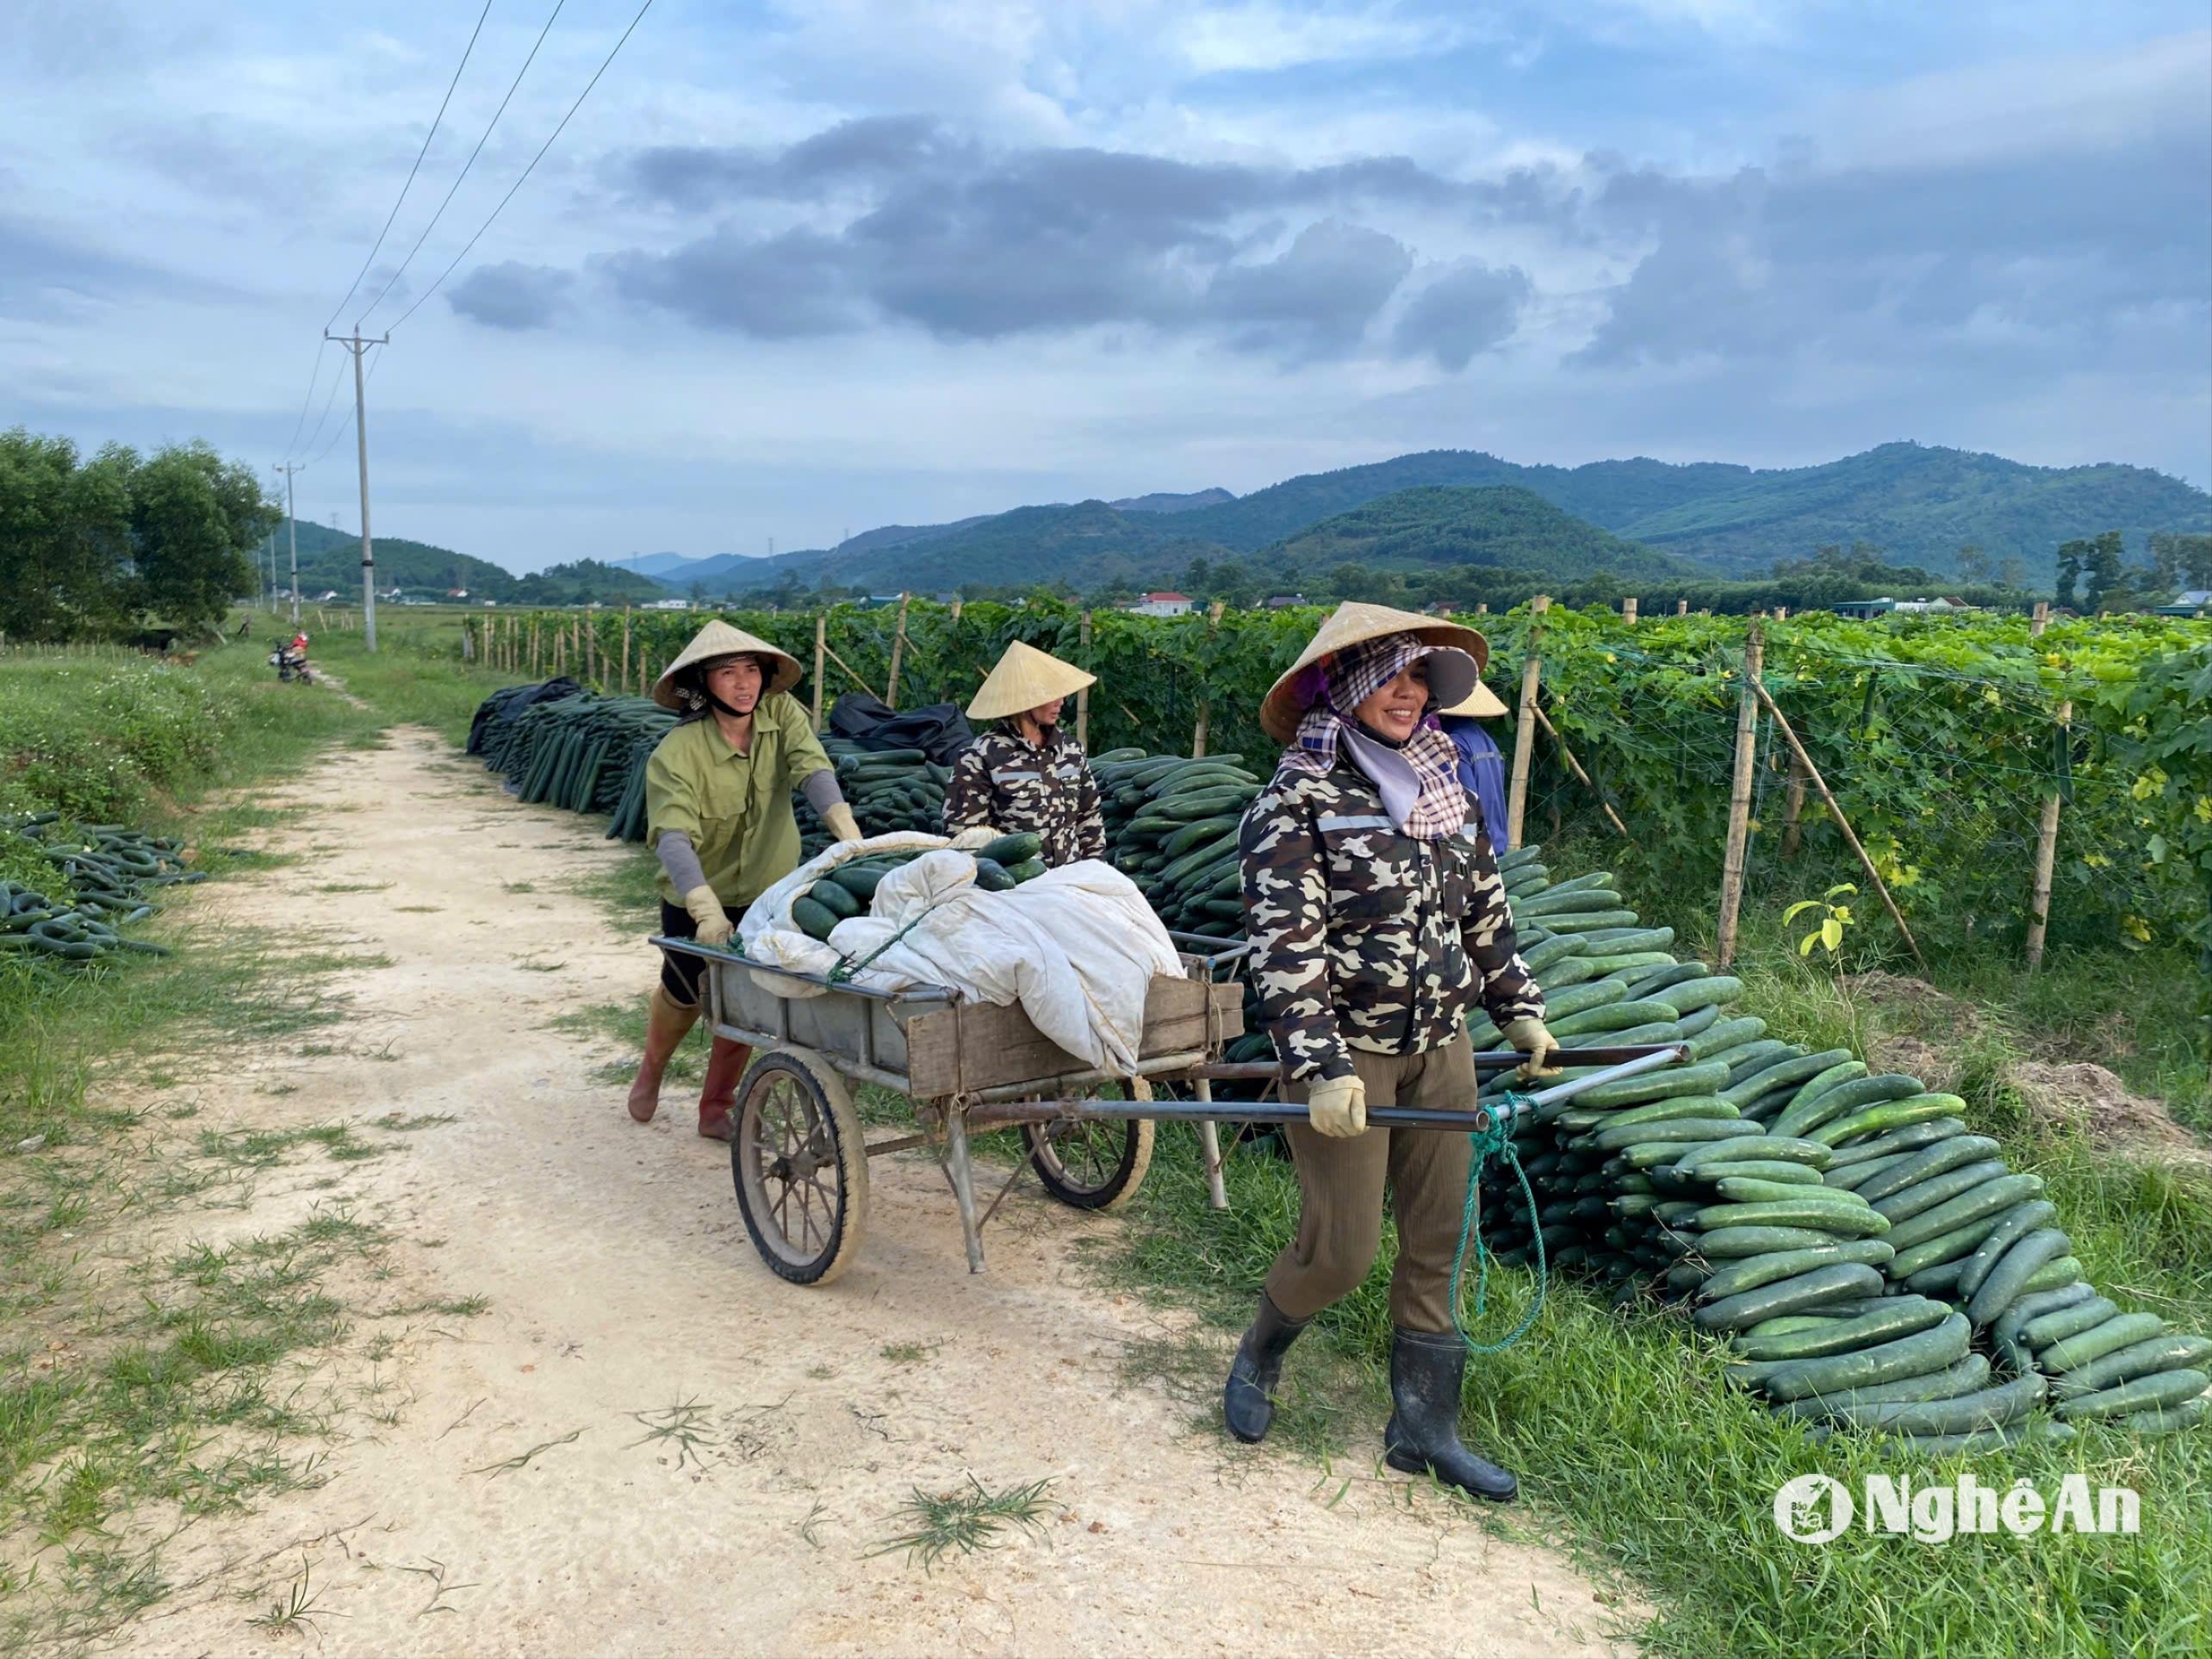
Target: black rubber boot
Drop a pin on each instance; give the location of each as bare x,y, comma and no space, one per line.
1252,1373
1426,1370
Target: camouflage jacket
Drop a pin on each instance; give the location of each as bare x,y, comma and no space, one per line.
1365,937
1003,782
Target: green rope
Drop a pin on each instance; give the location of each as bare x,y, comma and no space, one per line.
1496,1141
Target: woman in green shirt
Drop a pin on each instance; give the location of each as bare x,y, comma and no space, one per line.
718,814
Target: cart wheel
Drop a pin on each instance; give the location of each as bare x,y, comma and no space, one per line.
1093,1163
801,1166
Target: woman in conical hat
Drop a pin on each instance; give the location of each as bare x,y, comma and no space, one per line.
1028,774
717,813
1377,920
1481,766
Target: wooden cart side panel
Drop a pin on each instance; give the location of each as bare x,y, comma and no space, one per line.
979,1046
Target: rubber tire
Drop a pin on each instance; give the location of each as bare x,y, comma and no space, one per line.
824,1091
1121,1181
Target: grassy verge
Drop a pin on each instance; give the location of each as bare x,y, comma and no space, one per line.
149,1378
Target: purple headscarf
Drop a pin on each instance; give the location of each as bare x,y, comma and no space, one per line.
1438,806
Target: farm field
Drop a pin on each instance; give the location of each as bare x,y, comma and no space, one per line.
346,1248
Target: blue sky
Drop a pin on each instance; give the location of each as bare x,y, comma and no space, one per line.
795,269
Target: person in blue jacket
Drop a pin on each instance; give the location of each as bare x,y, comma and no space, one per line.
1482,767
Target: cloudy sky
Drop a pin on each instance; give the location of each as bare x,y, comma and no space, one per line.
796,268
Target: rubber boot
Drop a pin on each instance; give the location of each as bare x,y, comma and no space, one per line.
725,1063
1246,1406
1422,1438
668,1022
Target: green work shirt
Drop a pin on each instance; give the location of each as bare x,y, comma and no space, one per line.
736,808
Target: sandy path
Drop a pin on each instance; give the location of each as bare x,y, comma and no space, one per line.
621,1281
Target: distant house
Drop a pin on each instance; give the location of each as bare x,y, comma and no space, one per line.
1864,610
457,592
2195,603
1284,601
666,605
1938,606
1164,605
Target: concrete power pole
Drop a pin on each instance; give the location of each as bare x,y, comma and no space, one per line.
359,348
292,529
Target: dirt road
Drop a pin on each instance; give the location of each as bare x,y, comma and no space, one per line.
621,1285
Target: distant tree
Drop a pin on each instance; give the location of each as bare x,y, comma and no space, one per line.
2108,578
193,517
65,537
697,592
2181,559
1975,562
2012,571
1198,576
2073,560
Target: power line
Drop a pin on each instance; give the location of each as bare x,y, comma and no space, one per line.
513,88
526,172
329,403
346,426
314,372
417,168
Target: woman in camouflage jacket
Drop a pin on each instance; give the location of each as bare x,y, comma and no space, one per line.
1377,918
1029,775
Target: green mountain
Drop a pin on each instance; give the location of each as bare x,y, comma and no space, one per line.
332,559
1500,527
1921,506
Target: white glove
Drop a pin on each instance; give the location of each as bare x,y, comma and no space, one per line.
714,924
1337,1107
969,840
1532,1039
842,822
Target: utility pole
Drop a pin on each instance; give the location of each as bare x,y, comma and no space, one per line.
292,529
269,574
359,348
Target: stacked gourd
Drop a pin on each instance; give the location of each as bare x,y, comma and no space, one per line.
1873,1262
584,752
888,789
104,870
1171,828
849,889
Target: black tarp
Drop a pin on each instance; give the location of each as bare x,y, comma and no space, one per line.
939,730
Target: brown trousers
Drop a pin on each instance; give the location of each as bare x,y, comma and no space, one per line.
1340,1186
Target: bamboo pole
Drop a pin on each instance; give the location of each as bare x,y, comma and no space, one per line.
1628,610
897,652
623,681
1576,767
1082,697
1782,725
2041,620
848,667
1739,795
2046,854
956,609
821,648
1793,810
1525,723
1205,703
1483,608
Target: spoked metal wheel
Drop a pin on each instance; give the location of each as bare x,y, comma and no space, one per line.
1091,1164
801,1166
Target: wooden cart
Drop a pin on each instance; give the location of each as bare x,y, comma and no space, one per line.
798,1152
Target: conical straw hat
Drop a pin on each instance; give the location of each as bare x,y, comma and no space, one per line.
1351,623
717,639
1483,703
1026,678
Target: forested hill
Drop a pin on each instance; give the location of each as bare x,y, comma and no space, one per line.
1500,528
332,559
1919,505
